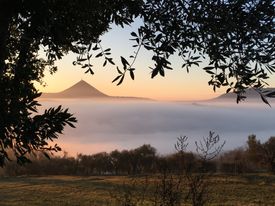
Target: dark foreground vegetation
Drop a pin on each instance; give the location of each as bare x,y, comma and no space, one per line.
254,157
141,177
247,189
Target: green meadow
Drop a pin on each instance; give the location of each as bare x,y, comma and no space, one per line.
249,189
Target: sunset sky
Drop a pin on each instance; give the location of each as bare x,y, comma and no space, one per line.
176,85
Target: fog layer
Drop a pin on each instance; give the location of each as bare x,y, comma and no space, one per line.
105,126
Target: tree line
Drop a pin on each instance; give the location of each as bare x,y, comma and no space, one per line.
254,157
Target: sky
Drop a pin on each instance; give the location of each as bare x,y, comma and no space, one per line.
176,85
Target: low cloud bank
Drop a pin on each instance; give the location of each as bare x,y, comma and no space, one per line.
124,125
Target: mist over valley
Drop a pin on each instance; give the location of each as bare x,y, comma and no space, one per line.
108,125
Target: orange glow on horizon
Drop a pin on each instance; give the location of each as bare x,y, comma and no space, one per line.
132,89
177,85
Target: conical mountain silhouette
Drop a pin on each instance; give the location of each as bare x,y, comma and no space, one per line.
84,90
79,90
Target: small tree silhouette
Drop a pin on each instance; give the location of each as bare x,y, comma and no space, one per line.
198,183
172,188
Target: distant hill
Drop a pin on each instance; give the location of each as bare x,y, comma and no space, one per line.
84,90
251,95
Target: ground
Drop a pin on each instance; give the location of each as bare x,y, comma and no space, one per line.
249,189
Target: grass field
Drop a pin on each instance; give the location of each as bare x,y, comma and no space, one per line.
250,189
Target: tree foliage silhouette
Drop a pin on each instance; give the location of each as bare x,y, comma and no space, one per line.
55,27
235,37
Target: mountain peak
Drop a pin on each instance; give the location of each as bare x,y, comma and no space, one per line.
82,83
81,89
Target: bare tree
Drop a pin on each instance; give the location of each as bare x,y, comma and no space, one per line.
197,179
